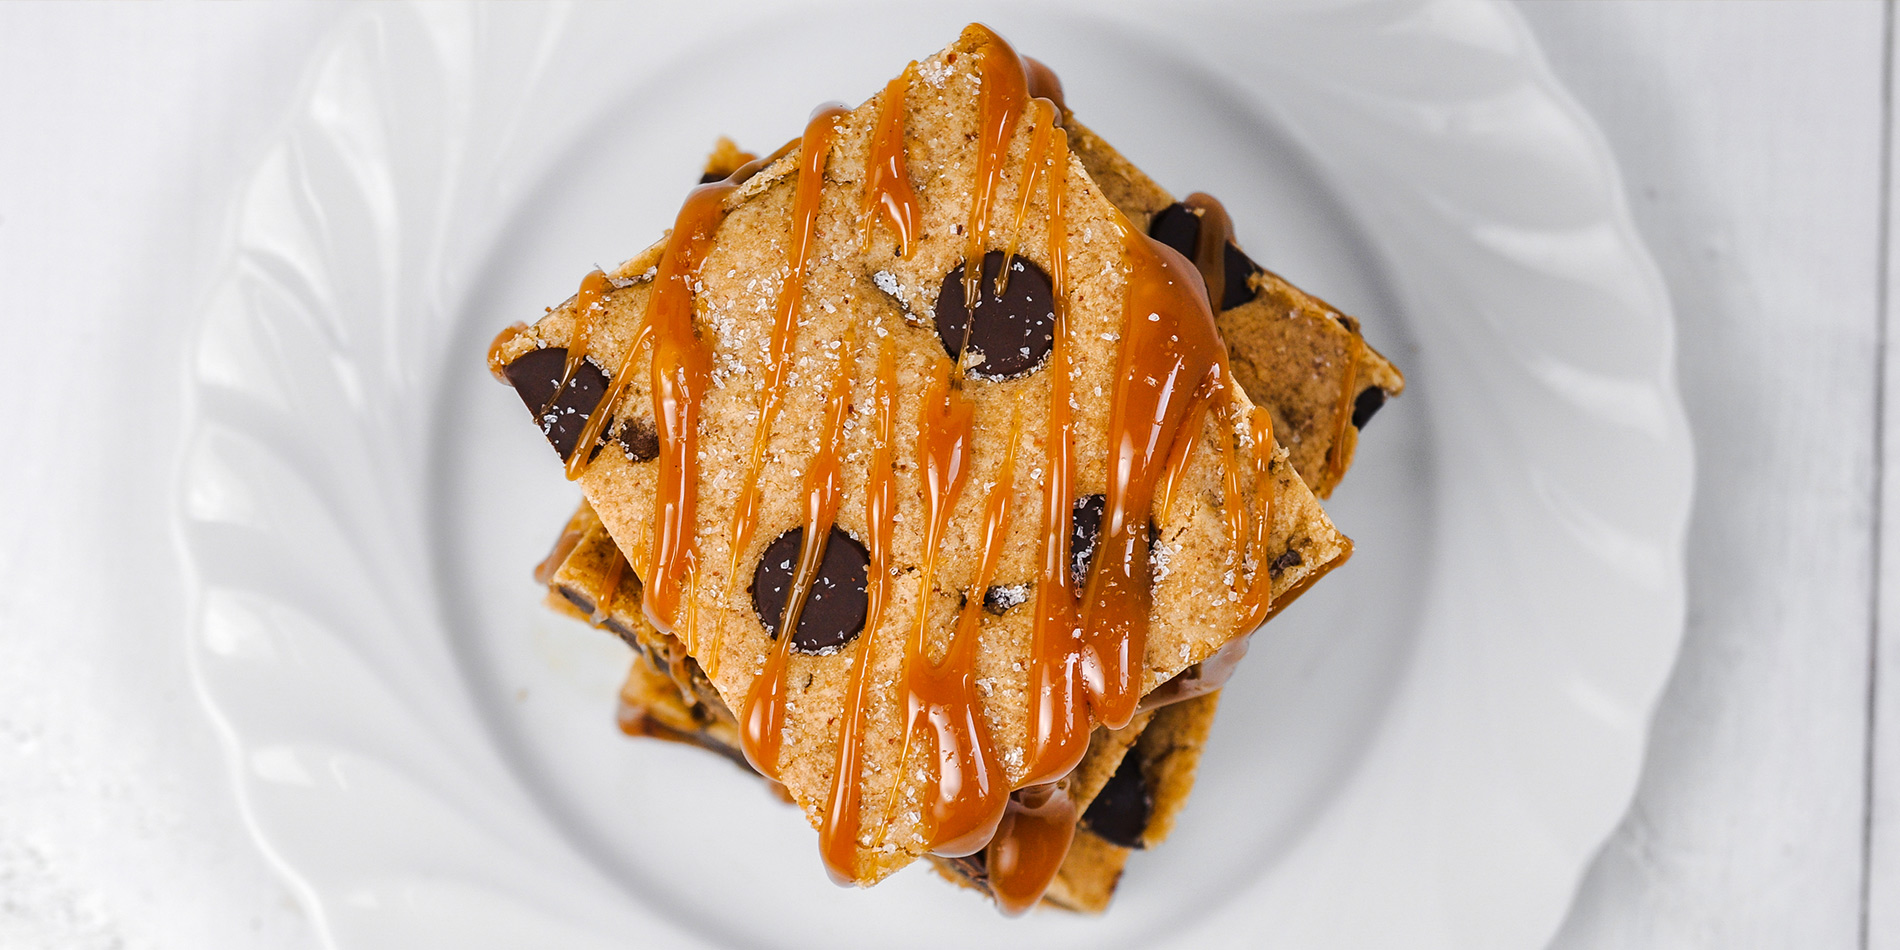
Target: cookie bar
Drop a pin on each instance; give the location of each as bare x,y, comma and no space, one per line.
760,309
1141,809
1296,355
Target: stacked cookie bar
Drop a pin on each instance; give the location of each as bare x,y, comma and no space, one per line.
945,466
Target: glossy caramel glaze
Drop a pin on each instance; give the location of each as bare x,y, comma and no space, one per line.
609,589
1210,247
588,309
1169,347
1045,84
681,373
887,189
1001,100
814,150
839,827
1336,457
762,718
1058,721
962,798
498,349
1030,845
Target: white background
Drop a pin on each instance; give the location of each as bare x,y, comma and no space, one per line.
1755,142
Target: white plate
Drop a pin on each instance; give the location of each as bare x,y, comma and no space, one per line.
1424,752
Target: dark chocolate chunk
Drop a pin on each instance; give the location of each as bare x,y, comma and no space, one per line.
1369,402
640,442
1085,525
834,610
625,633
1014,332
1239,268
1289,559
536,375
975,867
1000,598
1178,227
1120,812
582,602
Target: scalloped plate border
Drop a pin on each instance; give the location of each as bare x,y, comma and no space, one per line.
348,733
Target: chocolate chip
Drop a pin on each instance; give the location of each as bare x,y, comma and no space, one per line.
1085,525
1239,268
1013,333
1290,559
625,633
1000,598
581,602
834,610
974,866
1120,812
1369,402
536,375
639,441
1178,227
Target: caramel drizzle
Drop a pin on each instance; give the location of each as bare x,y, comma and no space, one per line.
609,589
1003,94
1190,436
1168,348
1058,728
1336,453
587,303
680,376
1210,246
814,150
1043,83
762,718
1033,167
887,188
838,831
964,799
1257,601
497,360
1030,845
943,450
544,571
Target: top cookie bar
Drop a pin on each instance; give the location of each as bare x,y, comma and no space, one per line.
799,358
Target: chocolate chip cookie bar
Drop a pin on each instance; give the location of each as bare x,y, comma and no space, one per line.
821,328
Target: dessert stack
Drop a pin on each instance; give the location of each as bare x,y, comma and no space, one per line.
938,468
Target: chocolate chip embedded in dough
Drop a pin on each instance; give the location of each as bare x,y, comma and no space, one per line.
1012,333
581,602
1085,526
1120,812
1178,227
1290,558
639,441
1239,270
834,610
1366,405
536,375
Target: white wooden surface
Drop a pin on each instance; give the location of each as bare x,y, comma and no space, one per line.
1752,138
